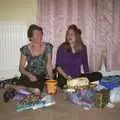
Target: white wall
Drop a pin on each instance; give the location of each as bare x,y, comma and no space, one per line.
13,34
19,12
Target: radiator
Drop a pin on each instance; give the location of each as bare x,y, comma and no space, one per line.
12,37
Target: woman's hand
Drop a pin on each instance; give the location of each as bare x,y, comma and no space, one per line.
69,77
32,78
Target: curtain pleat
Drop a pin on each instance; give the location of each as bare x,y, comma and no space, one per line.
99,21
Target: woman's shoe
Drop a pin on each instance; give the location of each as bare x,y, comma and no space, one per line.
9,94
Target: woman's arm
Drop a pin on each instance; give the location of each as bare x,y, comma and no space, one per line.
22,68
49,66
61,71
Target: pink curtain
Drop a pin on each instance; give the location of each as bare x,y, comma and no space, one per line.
99,21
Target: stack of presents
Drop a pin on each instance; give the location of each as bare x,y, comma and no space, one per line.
98,94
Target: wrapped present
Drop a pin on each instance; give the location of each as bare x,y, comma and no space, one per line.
30,99
102,98
111,81
34,102
22,107
82,97
27,102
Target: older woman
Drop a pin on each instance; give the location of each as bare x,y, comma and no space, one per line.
35,60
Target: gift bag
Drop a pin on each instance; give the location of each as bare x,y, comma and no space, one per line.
102,98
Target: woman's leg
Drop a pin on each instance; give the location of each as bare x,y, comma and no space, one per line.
41,81
61,81
24,81
94,76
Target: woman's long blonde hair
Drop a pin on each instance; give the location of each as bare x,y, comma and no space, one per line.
79,45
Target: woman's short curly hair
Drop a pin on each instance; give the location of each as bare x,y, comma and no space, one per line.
31,28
